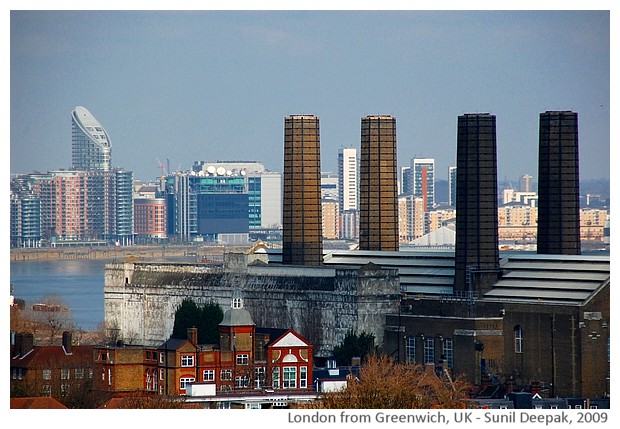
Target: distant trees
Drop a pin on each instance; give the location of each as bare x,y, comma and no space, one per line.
352,346
206,318
382,383
47,319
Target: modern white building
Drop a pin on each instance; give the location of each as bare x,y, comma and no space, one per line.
91,147
348,179
271,199
452,186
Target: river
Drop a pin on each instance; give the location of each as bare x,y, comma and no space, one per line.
78,283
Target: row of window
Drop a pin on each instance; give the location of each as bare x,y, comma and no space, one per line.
286,379
429,350
241,359
65,373
448,356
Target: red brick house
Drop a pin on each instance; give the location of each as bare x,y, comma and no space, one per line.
248,358
64,372
127,369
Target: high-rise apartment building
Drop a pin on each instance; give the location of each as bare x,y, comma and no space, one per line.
406,181
558,184
349,225
25,220
330,219
423,180
271,199
452,186
329,186
477,252
150,219
411,217
91,148
302,235
123,193
378,184
348,179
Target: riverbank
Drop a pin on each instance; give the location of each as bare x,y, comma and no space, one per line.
154,252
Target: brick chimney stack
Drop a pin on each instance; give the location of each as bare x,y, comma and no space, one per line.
192,335
23,343
477,250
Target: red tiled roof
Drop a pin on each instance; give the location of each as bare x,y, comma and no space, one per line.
43,355
36,402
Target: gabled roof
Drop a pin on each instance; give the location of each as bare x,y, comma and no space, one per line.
289,339
173,344
41,356
38,402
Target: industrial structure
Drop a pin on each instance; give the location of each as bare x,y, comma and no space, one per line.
506,321
302,232
378,206
558,184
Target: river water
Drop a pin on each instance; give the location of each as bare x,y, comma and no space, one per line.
78,283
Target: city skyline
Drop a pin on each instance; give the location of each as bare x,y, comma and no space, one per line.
205,85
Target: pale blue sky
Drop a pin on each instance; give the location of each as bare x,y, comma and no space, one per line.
206,85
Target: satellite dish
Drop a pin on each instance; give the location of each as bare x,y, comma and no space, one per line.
243,172
221,171
211,169
228,173
193,173
201,173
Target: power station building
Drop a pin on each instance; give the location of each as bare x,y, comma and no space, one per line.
516,320
504,321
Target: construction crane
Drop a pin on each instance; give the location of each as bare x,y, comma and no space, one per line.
162,166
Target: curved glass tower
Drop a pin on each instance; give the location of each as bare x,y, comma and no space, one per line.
91,144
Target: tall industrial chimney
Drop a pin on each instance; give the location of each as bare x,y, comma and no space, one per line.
302,229
378,201
477,250
558,184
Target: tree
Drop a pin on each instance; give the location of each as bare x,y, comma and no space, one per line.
211,316
384,384
352,346
186,316
206,318
48,319
153,402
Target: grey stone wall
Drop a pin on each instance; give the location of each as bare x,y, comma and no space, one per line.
321,303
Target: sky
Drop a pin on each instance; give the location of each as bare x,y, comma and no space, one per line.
186,86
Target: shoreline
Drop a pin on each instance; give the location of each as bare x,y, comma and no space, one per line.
120,252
